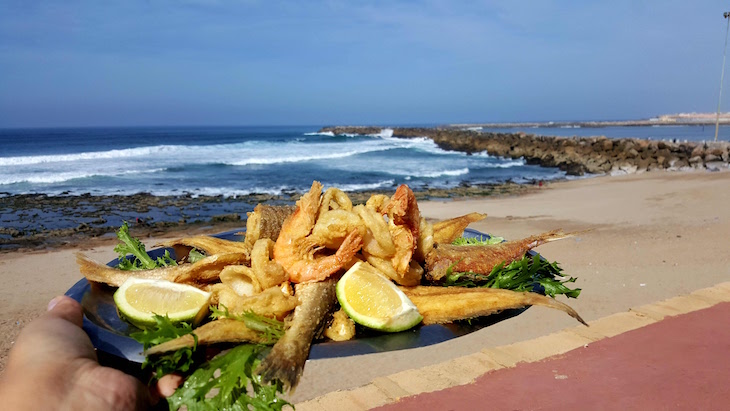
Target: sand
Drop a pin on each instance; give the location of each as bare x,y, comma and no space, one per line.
653,236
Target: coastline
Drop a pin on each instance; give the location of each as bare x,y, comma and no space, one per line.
40,221
576,156
654,236
77,219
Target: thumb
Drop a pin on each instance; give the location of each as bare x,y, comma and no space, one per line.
66,308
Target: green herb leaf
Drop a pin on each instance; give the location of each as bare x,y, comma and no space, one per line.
164,330
271,328
235,387
526,274
194,256
480,240
141,260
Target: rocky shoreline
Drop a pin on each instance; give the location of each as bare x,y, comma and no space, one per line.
39,221
575,155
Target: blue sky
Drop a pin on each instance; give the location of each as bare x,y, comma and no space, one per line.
157,62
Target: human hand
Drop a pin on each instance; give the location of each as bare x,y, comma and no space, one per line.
53,365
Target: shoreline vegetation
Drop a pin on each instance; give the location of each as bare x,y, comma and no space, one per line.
79,218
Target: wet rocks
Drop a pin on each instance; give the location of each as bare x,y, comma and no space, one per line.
574,155
70,219
225,218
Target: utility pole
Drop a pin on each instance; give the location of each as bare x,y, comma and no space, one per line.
722,75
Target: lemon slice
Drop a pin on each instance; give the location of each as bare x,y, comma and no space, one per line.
138,300
372,300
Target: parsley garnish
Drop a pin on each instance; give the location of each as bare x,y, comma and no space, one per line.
228,382
141,260
526,274
481,240
180,360
271,328
194,256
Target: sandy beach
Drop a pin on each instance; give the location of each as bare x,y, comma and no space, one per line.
652,236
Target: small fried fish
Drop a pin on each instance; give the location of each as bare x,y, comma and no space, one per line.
207,244
286,360
440,305
265,221
218,331
204,271
482,259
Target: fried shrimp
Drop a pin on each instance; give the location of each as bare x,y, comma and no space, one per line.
404,222
300,253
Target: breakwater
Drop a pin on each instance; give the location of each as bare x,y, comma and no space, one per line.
574,155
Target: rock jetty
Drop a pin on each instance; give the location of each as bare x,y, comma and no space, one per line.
574,155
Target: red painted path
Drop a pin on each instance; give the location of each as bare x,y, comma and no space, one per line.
679,363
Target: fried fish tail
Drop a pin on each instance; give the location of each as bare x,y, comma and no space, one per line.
100,273
440,305
207,244
447,231
218,331
286,359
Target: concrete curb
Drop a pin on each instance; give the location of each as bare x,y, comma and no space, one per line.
464,370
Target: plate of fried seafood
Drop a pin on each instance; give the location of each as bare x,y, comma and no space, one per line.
285,266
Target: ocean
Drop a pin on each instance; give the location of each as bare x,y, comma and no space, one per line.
235,161
87,180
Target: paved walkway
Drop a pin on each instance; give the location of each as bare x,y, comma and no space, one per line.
674,354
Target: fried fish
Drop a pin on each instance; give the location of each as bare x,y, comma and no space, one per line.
446,231
204,271
207,244
286,360
440,305
482,259
218,331
265,221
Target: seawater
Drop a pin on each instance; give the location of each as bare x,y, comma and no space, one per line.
235,161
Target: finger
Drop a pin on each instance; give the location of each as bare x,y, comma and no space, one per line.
167,385
108,389
66,308
55,336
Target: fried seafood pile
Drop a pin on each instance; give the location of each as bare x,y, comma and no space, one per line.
288,264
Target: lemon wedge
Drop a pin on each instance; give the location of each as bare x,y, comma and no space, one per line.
138,300
372,300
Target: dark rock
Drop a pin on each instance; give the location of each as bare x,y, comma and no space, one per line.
575,169
225,218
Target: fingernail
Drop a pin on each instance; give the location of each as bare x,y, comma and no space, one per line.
53,302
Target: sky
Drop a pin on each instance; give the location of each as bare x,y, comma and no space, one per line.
271,62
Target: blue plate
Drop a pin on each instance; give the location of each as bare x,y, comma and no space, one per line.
110,334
